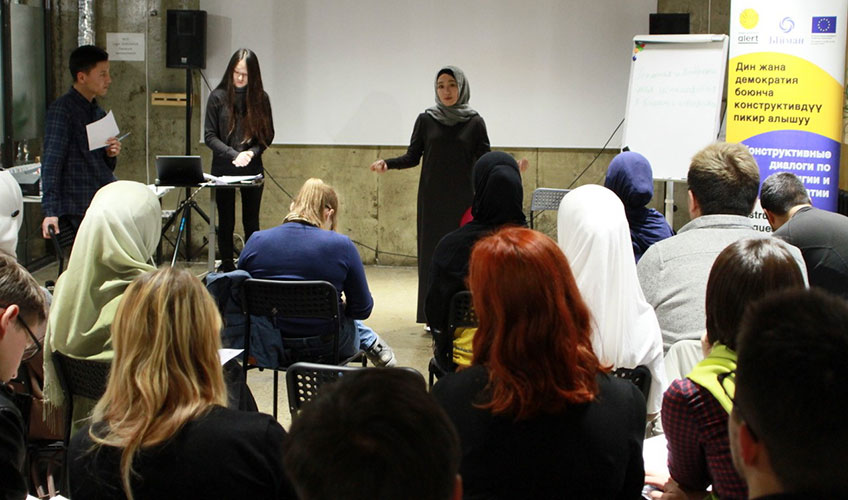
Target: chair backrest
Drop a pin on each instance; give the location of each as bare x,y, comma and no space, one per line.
640,376
547,198
305,380
62,241
461,313
79,377
291,299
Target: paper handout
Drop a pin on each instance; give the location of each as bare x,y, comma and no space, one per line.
101,130
228,354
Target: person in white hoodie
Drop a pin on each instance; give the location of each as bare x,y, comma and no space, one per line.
594,235
11,212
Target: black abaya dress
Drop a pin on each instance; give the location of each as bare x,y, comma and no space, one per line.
444,189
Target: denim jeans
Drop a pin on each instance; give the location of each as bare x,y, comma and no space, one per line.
354,336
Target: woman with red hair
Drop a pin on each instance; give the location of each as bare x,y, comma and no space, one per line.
537,413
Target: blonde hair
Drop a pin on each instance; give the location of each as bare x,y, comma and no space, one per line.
166,371
308,206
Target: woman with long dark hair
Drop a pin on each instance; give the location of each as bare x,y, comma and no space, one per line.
452,136
239,127
537,414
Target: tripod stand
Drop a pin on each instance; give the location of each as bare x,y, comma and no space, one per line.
189,204
184,210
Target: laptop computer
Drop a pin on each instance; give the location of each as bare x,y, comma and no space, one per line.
179,171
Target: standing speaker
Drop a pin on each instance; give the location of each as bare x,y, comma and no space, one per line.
669,24
186,39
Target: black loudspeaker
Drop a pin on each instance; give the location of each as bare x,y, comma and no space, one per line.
669,24
186,39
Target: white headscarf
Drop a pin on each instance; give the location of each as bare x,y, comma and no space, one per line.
594,235
114,245
11,212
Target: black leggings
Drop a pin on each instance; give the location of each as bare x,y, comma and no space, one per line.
225,199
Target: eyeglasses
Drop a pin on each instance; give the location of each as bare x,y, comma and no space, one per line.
728,384
32,349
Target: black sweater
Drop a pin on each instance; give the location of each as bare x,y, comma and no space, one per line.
225,147
591,450
223,454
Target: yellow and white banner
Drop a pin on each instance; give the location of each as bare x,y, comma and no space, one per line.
785,88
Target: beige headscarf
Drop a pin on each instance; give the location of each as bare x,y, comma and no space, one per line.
114,245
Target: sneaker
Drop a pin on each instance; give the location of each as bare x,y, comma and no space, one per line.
226,266
380,354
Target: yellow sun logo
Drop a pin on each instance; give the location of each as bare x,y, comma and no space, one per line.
749,18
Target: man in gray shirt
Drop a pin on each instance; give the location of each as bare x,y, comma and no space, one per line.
723,183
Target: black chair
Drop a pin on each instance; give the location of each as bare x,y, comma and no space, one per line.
460,315
640,376
305,380
545,199
63,240
79,377
292,299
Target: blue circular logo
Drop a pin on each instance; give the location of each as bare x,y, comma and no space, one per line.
787,24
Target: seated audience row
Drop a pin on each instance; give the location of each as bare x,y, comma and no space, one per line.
537,388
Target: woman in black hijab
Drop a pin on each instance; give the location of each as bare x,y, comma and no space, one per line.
451,136
498,201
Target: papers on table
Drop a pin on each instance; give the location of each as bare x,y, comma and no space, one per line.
160,191
228,354
655,454
101,130
232,179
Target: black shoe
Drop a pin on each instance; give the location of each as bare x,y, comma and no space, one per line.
226,266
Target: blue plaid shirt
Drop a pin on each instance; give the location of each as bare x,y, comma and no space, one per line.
70,173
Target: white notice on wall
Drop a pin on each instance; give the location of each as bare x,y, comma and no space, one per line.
125,46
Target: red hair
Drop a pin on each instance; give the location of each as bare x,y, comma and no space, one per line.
534,332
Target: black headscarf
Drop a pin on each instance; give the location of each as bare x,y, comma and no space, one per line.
498,198
498,195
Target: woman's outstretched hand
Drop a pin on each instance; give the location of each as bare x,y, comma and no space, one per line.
379,166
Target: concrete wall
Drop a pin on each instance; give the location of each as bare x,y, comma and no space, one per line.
379,211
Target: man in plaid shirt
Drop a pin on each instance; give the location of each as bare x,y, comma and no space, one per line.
70,173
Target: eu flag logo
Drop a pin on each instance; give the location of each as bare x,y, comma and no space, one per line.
826,24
